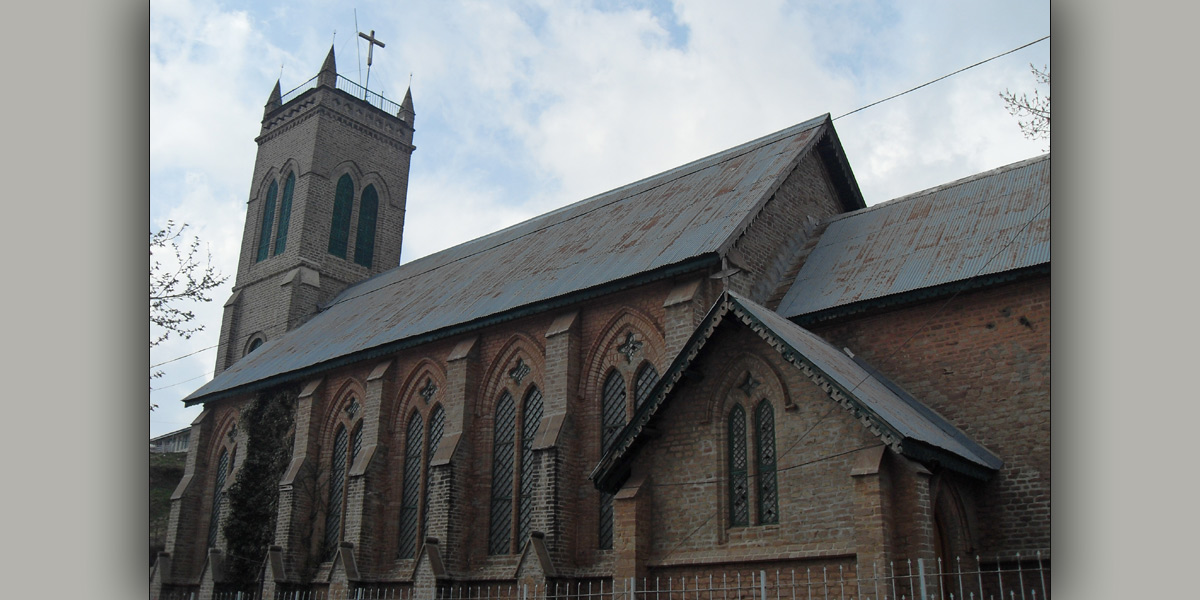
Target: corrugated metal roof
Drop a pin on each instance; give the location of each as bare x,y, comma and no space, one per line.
660,221
982,225
881,405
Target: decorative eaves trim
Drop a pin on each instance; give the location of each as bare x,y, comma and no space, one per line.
613,465
843,397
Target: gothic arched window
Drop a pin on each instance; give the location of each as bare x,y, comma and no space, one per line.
764,447
343,204
364,244
739,501
504,472
285,214
531,419
268,220
414,440
647,376
612,419
215,519
503,436
437,424
345,449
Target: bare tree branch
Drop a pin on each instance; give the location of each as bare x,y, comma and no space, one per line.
177,276
1033,114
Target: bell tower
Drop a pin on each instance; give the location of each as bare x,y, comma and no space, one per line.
325,209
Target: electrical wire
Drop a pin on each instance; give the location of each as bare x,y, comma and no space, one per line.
943,77
246,337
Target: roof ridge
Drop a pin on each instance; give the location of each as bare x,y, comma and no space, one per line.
941,187
666,177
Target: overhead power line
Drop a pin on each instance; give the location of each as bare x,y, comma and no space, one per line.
943,77
835,118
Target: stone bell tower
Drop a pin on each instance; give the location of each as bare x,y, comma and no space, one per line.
325,209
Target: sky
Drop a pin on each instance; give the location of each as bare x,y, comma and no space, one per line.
526,106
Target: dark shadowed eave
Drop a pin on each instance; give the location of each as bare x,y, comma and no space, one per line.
658,227
895,417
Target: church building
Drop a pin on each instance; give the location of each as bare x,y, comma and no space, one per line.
731,368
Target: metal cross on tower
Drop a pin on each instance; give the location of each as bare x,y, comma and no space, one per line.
371,43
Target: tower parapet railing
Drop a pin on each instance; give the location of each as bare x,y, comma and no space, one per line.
350,87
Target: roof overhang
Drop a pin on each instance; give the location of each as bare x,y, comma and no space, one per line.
898,420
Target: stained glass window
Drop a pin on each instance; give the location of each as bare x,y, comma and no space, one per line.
285,214
764,441
504,436
437,424
337,488
268,220
215,519
364,241
412,483
647,376
739,504
339,230
612,417
531,419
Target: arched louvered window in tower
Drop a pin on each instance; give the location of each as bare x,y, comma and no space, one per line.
343,204
612,419
345,450
285,214
647,376
531,419
364,241
437,424
764,442
412,484
503,439
268,220
739,503
215,520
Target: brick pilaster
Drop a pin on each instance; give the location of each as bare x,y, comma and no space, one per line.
872,511
632,529
449,468
298,492
555,445
685,307
364,501
185,539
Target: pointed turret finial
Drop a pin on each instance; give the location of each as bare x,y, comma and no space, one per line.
275,101
406,112
328,74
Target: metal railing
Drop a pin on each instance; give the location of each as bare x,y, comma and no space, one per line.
1012,578
350,87
368,96
300,89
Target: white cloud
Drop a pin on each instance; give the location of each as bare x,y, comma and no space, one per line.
523,107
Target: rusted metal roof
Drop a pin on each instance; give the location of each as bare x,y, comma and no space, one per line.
649,226
990,223
886,410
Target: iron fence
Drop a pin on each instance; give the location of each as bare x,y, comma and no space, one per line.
1017,577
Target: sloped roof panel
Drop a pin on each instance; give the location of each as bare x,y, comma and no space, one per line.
873,391
900,420
664,220
990,223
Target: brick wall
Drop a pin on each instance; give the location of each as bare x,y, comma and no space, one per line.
816,444
320,136
982,360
